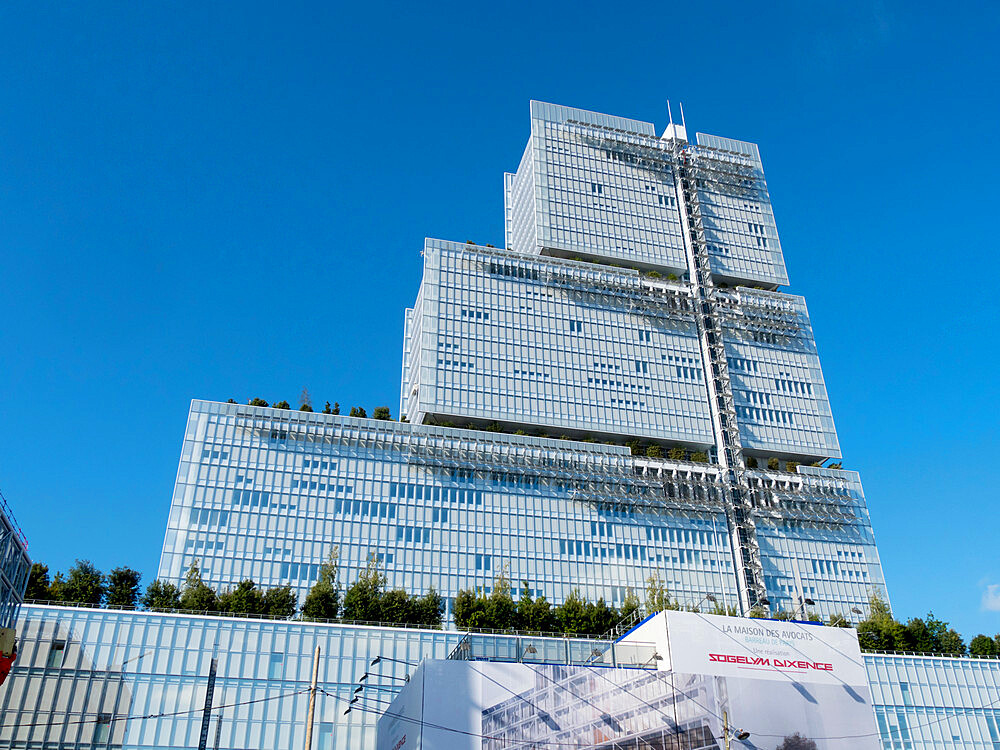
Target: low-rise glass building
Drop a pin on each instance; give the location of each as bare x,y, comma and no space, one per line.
115,679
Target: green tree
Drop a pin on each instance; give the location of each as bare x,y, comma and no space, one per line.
468,609
881,631
654,451
751,462
951,642
635,447
327,409
84,584
280,602
281,405
57,589
534,614
381,412
397,608
791,466
323,600
161,595
358,411
429,609
123,588
677,453
38,583
772,463
571,616
601,617
244,599
983,645
197,595
932,635
257,402
657,595
363,600
699,457
631,606
336,408
500,608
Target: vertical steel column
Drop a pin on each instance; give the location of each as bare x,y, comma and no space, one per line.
736,491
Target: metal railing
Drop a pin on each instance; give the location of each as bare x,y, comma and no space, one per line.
298,618
583,652
879,652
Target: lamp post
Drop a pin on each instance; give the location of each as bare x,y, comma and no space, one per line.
734,733
381,658
706,598
805,602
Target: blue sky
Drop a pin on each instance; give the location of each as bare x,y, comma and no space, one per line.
229,200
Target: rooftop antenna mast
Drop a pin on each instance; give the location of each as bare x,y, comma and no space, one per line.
683,121
670,113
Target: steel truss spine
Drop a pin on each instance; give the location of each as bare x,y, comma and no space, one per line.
736,491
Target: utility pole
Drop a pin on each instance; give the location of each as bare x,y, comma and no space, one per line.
312,701
207,713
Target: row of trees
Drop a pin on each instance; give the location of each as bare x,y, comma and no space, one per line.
477,610
85,585
883,632
674,453
366,599
305,404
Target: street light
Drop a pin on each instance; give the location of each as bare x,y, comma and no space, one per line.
803,603
379,658
736,733
706,598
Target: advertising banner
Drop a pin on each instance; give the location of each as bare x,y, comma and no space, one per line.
764,649
725,683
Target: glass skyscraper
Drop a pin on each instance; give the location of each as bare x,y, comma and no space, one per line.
621,392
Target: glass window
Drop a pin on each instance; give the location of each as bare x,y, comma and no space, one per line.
56,653
325,736
274,667
102,730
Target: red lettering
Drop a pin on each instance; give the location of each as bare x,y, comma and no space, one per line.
765,662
